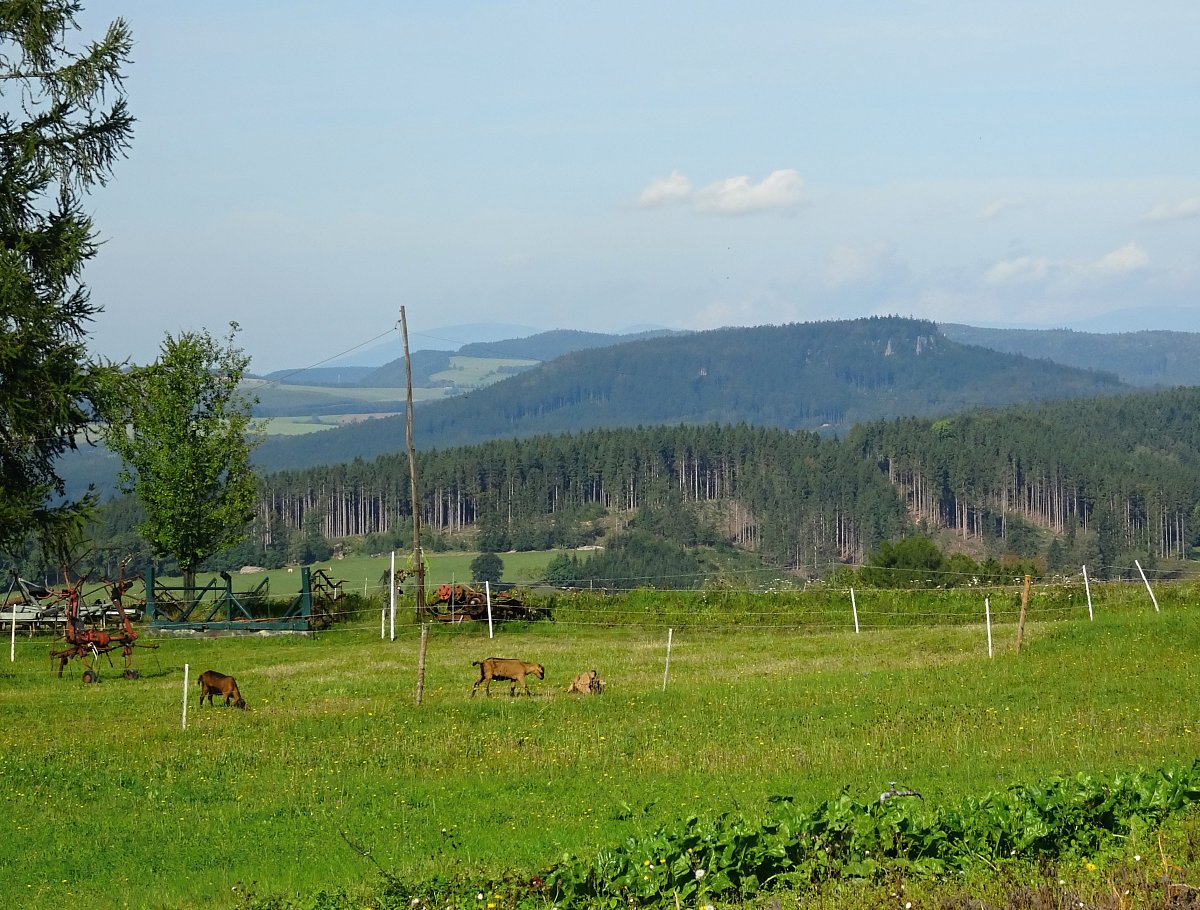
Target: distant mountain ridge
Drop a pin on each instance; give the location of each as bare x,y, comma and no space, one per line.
426,363
549,345
814,376
442,338
1144,358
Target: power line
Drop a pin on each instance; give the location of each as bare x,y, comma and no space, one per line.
280,380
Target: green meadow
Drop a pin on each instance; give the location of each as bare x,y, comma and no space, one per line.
475,372
298,426
365,575
109,801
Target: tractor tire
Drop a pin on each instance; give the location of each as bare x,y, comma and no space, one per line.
131,673
89,676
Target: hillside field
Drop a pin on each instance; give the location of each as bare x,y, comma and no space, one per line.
476,372
110,802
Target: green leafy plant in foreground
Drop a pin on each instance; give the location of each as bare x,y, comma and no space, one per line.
731,858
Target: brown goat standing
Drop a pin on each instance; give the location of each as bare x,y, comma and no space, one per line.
213,683
505,668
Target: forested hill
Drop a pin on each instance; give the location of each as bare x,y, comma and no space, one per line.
1100,482
1149,358
825,376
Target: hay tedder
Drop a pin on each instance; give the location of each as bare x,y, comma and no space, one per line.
88,642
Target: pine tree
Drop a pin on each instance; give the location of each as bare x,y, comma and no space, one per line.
60,136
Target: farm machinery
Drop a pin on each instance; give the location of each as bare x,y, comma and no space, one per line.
88,643
459,602
34,607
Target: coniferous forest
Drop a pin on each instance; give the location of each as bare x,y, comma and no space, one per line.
820,376
1080,471
1102,480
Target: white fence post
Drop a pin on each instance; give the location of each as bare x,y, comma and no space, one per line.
185,691
392,596
1153,599
1087,586
12,655
667,666
854,607
987,615
487,593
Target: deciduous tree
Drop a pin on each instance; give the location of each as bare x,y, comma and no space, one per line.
184,431
487,567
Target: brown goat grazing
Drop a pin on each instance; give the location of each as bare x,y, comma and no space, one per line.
505,668
213,683
587,683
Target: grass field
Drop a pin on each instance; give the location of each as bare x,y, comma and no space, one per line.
327,403
475,372
362,574
298,426
109,802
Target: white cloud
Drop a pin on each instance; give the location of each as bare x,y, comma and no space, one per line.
738,196
1128,258
1123,260
1022,269
995,209
665,191
851,266
760,308
1178,211
780,190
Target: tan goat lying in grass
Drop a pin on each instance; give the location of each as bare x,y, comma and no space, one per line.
587,683
505,668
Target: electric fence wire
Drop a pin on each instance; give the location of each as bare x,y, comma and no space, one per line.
799,620
710,608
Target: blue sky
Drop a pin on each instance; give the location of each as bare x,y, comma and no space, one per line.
306,169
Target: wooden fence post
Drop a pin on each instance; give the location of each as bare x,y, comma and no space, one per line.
1024,609
421,662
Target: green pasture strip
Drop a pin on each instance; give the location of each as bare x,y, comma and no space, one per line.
107,797
826,608
473,372
816,608
360,574
297,426
274,390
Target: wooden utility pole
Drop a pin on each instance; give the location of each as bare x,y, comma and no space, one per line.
1024,609
418,557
